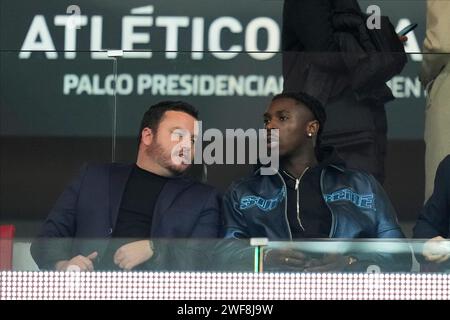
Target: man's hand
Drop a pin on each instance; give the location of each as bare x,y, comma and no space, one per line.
133,254
331,262
78,263
436,250
285,258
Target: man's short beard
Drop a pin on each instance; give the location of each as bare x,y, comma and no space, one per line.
164,159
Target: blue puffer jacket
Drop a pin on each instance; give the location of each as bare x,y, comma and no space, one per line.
360,208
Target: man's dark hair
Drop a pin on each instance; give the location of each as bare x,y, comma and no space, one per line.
155,113
309,102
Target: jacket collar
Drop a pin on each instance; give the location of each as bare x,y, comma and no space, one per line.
327,157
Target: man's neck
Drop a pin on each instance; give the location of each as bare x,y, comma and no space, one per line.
296,164
153,168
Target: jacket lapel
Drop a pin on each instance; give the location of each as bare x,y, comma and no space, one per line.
119,175
167,196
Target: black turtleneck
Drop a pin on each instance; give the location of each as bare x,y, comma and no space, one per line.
138,200
134,221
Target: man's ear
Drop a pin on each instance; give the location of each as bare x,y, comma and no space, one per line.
147,136
313,127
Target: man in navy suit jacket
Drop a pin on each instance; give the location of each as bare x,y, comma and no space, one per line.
111,214
434,223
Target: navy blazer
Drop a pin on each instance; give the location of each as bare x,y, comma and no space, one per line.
434,220
87,210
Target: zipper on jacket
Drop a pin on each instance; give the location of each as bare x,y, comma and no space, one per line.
297,184
333,218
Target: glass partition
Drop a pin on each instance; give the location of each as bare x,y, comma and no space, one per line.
340,256
76,80
255,255
227,269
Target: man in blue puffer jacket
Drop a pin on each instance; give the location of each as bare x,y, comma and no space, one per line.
312,195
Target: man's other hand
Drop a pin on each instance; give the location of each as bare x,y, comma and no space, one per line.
133,254
78,263
436,250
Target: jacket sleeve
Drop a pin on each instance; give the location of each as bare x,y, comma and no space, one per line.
209,222
196,253
436,44
399,255
54,240
388,226
234,252
235,224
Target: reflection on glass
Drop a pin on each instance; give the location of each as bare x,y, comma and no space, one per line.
223,255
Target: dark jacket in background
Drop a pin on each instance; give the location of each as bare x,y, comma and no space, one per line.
327,49
327,53
84,217
434,220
